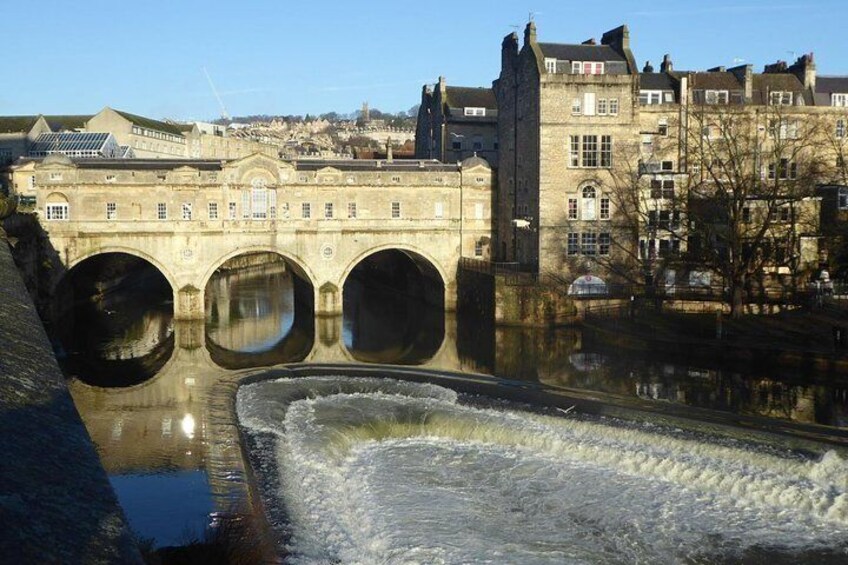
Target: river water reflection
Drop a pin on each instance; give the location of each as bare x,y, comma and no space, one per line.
173,432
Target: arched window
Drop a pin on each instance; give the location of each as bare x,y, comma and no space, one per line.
588,203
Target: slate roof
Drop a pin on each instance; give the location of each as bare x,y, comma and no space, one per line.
714,81
658,81
149,123
831,84
469,97
772,82
570,52
17,124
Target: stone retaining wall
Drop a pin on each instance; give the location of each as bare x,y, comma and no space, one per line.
56,503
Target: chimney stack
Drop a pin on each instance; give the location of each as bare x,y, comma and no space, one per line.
667,66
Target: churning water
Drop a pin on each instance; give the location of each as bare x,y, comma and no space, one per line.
380,471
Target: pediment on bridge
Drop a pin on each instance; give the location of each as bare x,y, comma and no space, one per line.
244,170
55,162
328,172
184,175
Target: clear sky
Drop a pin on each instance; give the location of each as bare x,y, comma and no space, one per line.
284,57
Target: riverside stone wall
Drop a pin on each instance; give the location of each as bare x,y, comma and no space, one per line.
56,503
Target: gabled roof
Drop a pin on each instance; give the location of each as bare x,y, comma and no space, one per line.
17,124
570,52
469,97
67,123
149,123
658,81
829,85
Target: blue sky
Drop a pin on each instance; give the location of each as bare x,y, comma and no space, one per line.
283,57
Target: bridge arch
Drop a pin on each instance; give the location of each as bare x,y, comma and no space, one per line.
404,248
299,265
103,250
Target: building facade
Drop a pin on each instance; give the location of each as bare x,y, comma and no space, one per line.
457,122
604,169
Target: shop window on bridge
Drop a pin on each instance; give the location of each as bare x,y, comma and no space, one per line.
57,211
231,208
186,210
161,211
111,210
351,210
213,210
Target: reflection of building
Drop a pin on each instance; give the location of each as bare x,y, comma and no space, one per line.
260,317
457,122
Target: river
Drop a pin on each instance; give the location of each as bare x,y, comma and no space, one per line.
154,394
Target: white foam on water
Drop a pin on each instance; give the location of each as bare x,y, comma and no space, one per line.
381,471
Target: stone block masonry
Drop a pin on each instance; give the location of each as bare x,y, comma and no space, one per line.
56,504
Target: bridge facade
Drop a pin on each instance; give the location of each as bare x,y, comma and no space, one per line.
188,218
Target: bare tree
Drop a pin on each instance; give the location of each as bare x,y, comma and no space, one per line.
753,173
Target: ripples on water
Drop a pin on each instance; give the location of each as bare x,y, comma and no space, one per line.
374,471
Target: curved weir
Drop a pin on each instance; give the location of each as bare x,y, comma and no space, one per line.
363,470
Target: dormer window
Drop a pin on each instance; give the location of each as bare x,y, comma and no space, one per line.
839,99
779,98
469,111
716,96
587,68
550,64
650,97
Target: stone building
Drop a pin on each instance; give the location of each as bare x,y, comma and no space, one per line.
562,109
457,122
600,163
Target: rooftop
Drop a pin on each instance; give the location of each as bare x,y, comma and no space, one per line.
571,52
149,123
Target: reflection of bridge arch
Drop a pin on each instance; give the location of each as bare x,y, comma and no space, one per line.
158,265
297,263
406,249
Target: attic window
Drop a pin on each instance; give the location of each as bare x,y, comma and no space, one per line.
55,176
650,97
587,68
550,64
716,96
779,98
471,111
839,99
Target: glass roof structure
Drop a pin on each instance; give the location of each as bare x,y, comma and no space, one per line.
73,144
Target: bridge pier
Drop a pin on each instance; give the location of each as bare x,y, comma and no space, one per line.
189,303
328,300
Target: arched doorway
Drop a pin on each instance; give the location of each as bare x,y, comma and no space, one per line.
111,319
393,303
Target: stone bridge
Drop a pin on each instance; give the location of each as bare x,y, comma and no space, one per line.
188,218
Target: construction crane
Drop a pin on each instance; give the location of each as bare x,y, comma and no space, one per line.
224,114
